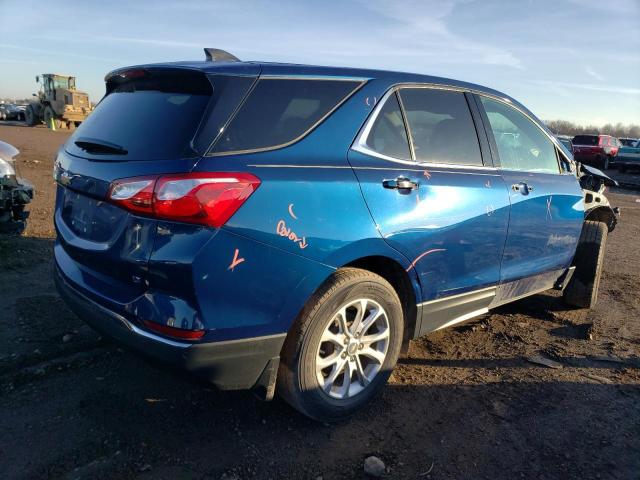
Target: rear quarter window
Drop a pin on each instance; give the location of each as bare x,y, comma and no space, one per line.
279,111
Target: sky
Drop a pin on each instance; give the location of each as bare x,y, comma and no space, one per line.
577,60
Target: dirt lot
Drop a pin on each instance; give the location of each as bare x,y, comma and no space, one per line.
466,403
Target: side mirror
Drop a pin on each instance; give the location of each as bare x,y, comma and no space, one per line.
37,78
34,95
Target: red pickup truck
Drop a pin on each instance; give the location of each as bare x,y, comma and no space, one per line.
596,150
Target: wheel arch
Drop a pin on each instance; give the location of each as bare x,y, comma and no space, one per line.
371,253
406,286
604,214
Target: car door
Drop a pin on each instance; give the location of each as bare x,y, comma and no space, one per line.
547,206
419,160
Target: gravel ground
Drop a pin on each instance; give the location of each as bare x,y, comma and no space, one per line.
467,402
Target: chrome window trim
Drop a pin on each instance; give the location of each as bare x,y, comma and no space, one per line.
303,134
493,171
360,144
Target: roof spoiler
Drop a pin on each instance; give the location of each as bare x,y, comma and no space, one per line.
217,55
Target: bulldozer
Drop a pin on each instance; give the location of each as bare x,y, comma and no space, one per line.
58,104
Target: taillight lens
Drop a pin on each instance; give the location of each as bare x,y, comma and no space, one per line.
202,198
135,194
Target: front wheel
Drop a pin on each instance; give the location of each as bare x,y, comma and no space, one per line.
582,290
343,347
30,116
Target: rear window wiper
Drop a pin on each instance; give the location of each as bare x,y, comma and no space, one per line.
100,147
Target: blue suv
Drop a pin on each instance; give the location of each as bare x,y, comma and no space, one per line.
289,228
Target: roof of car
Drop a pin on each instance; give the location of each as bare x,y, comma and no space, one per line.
291,69
254,68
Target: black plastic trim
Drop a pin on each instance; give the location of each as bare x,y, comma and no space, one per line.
229,365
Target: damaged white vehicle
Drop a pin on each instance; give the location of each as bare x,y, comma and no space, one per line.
15,192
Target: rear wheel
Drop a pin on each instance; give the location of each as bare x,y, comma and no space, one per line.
49,117
582,290
344,346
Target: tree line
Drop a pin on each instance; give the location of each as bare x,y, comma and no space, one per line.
619,130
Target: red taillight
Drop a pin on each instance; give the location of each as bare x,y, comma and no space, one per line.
174,332
135,194
202,198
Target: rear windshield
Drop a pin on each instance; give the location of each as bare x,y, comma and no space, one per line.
585,140
151,117
279,111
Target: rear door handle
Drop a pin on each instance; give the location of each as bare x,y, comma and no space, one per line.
522,187
400,183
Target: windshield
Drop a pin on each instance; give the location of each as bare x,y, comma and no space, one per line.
61,82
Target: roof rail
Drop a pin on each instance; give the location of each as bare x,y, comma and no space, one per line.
217,55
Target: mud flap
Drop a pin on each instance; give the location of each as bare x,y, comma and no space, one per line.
265,387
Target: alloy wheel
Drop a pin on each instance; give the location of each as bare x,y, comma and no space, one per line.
352,348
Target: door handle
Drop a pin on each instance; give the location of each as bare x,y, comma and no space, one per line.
400,183
522,187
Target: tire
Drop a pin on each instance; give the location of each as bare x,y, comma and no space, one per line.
304,384
582,290
601,163
30,116
49,114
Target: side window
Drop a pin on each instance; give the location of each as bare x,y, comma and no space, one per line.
388,135
441,126
278,111
522,145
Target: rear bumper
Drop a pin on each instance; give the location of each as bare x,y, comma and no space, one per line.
229,365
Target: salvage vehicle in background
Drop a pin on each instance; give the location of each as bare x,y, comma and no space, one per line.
566,141
9,111
627,142
596,150
294,227
59,104
15,192
629,157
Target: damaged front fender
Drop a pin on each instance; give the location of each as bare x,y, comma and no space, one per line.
596,205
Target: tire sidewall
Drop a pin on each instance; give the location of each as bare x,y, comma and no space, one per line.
312,396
